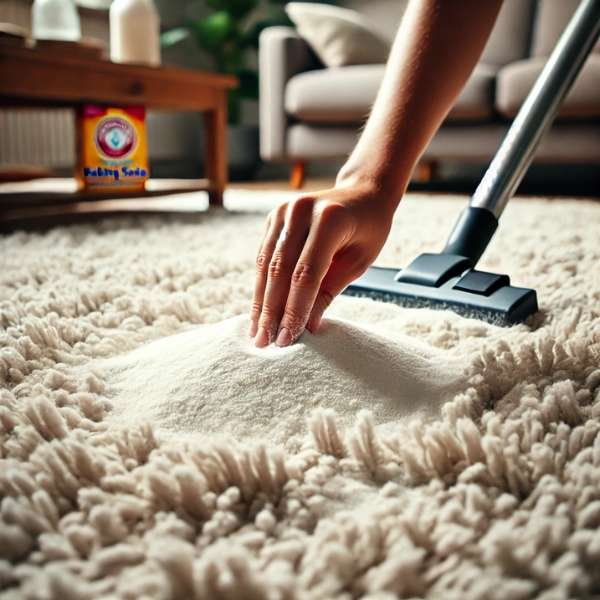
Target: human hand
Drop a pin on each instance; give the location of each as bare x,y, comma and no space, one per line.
312,249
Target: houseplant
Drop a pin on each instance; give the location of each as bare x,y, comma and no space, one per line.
228,32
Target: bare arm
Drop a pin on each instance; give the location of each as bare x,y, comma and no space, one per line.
435,51
331,237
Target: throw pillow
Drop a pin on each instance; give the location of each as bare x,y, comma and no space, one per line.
339,36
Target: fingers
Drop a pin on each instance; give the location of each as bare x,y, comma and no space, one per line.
326,236
279,273
275,223
344,269
300,269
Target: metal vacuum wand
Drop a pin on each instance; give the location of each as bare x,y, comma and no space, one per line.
516,152
448,280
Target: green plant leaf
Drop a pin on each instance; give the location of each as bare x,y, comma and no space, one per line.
284,2
174,36
238,9
214,31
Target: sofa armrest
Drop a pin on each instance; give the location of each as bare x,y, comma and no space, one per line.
282,54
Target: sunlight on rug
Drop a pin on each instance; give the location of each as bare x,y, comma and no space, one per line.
147,450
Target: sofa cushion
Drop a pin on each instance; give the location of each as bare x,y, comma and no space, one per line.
509,40
514,82
462,142
341,95
476,100
338,36
551,18
345,94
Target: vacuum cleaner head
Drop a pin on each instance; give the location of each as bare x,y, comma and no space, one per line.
447,281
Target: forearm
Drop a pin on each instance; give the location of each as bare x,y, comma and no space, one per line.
435,50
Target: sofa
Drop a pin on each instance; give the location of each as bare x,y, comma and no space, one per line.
311,113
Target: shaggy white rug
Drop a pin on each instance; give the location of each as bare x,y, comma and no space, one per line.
494,495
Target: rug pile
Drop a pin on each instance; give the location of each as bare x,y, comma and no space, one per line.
495,496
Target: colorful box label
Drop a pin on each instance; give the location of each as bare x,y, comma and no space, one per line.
113,148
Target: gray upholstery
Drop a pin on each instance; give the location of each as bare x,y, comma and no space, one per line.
309,112
345,94
309,141
550,21
283,54
570,143
515,80
512,32
476,100
341,95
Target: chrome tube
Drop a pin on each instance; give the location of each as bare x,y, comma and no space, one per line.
516,152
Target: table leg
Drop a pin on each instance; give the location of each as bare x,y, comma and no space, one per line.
215,150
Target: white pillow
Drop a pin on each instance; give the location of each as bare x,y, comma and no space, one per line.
339,36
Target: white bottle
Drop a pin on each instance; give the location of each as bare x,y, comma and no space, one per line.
55,20
134,32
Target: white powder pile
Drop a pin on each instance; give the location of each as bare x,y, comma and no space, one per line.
212,379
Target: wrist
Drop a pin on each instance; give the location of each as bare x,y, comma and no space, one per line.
388,190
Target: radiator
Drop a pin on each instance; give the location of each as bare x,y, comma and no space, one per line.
37,137
41,137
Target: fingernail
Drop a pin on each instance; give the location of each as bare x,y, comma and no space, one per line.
253,328
284,338
262,338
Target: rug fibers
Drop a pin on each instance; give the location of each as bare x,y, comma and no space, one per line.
486,488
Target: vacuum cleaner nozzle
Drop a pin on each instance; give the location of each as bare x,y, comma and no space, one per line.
448,281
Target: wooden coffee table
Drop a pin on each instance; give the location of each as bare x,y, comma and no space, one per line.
34,78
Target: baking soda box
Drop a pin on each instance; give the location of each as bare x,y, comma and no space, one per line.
113,149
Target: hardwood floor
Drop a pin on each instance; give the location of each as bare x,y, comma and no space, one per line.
310,185
41,203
